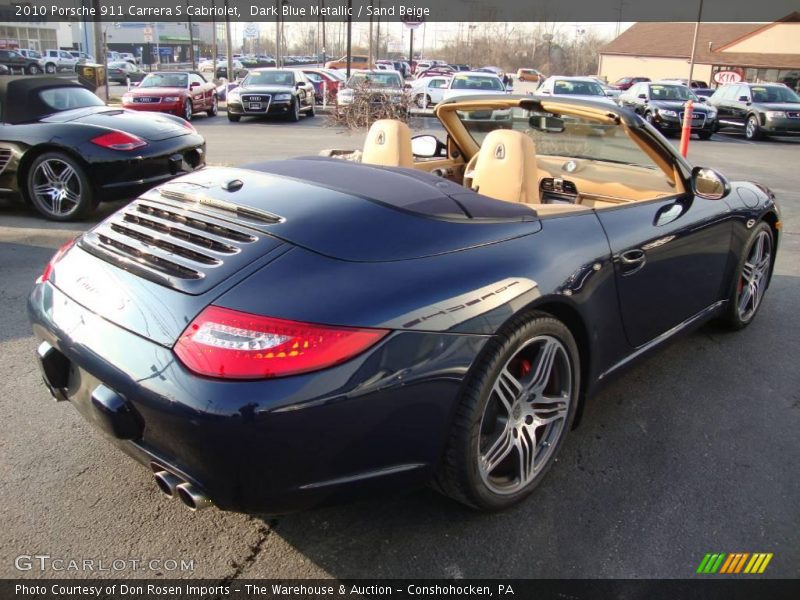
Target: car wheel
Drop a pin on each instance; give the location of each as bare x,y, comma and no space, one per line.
751,279
312,112
50,68
752,131
517,406
705,135
233,118
58,188
294,111
187,110
212,112
423,101
648,116
33,69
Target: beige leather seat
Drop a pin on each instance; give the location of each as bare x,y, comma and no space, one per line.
505,168
388,144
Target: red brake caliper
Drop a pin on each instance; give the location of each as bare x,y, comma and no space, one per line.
525,367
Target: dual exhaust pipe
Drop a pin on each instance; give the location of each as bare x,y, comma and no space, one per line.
172,485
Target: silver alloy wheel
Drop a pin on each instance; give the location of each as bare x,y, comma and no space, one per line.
57,186
187,110
750,128
50,68
525,415
754,276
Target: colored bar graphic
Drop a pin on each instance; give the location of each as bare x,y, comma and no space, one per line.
734,563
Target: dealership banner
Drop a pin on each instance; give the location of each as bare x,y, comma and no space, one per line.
410,11
405,589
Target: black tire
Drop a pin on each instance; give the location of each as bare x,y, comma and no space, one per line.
75,209
705,135
32,70
312,111
459,475
648,116
752,129
294,111
233,118
212,112
50,68
187,110
734,317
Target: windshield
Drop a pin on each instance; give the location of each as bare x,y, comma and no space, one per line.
671,92
477,82
583,88
314,77
174,80
375,80
582,137
67,98
773,93
270,78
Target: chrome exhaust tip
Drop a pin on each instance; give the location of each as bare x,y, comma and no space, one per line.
193,498
167,483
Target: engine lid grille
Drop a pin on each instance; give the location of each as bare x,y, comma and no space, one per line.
175,246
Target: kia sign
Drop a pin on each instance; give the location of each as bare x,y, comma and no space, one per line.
728,76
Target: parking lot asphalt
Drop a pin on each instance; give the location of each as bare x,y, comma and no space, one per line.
694,450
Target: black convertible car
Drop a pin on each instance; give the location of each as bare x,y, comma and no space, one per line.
64,151
268,338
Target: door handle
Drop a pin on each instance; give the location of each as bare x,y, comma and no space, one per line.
631,261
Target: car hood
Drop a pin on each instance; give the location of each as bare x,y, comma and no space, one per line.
593,98
149,126
157,91
777,105
266,89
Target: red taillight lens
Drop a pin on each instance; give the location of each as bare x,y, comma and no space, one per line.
235,345
119,140
48,269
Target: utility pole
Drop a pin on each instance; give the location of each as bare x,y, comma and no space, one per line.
98,36
694,41
228,43
278,35
322,4
378,33
349,35
214,49
369,59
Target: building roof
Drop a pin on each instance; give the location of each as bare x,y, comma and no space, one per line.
674,40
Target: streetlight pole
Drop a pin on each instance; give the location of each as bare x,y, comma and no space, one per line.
349,35
694,41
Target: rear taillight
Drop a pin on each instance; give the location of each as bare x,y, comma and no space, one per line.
119,140
48,269
230,344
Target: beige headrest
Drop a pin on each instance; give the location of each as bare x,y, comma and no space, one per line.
388,144
506,167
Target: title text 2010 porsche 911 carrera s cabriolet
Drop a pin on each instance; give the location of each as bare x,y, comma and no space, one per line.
270,338
63,150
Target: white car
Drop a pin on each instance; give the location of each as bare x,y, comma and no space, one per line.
53,61
584,88
474,83
428,91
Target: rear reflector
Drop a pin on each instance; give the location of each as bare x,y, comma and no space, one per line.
230,344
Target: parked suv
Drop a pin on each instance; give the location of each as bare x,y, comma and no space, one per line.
662,105
760,109
57,60
16,62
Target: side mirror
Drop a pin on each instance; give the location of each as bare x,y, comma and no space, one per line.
426,146
194,84
299,84
407,86
642,96
744,99
708,184
702,99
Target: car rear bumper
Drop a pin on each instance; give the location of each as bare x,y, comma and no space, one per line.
117,179
276,446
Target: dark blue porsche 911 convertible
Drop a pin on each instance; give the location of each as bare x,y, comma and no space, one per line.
423,311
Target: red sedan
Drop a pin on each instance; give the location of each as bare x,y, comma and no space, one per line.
332,78
181,93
